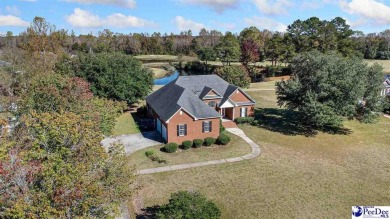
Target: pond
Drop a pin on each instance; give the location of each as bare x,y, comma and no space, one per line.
165,80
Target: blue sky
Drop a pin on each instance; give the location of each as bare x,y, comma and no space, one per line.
166,16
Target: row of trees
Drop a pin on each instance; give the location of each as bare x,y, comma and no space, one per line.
249,45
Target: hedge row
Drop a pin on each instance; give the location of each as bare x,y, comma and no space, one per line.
222,139
245,119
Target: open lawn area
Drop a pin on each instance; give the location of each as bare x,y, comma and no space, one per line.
125,124
384,63
163,58
295,176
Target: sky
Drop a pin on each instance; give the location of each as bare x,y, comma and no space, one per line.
173,16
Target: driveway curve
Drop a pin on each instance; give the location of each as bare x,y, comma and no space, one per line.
135,142
236,131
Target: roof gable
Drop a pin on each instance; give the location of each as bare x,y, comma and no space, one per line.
187,92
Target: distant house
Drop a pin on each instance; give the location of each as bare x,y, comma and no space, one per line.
386,86
191,107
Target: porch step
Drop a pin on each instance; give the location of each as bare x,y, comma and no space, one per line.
229,124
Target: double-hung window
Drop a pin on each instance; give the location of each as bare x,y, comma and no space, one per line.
207,126
182,130
243,112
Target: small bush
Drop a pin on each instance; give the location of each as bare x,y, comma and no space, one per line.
209,141
170,147
198,143
186,145
157,159
223,139
255,122
185,204
149,153
245,119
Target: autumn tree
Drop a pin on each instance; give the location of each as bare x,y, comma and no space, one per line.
55,93
54,167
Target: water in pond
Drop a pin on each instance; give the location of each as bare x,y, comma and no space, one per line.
165,80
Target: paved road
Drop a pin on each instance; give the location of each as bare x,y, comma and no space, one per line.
255,152
135,142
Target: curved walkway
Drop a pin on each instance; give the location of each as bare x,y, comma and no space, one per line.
255,152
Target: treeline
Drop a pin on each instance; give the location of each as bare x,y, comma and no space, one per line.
300,36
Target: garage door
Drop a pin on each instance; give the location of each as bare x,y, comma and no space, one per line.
158,125
164,132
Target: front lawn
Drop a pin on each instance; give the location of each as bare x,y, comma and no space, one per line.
295,176
237,147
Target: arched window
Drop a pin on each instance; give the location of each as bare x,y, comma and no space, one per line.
212,103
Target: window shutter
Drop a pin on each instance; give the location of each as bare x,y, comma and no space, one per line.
203,127
246,112
185,129
211,126
178,127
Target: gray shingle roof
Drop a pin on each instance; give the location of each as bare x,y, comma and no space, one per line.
186,92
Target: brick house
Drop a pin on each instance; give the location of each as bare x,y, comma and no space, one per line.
191,107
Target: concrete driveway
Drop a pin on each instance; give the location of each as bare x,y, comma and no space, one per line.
135,142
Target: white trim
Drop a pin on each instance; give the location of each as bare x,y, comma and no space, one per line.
243,92
182,129
181,108
228,103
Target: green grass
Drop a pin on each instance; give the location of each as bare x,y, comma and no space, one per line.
295,176
237,147
163,58
262,85
219,63
384,63
125,124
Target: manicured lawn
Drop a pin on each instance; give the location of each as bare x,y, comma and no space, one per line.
125,124
295,176
219,63
384,63
262,85
237,147
163,58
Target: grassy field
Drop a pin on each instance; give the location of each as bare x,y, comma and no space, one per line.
163,58
384,63
237,147
296,176
262,85
159,72
125,124
219,63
